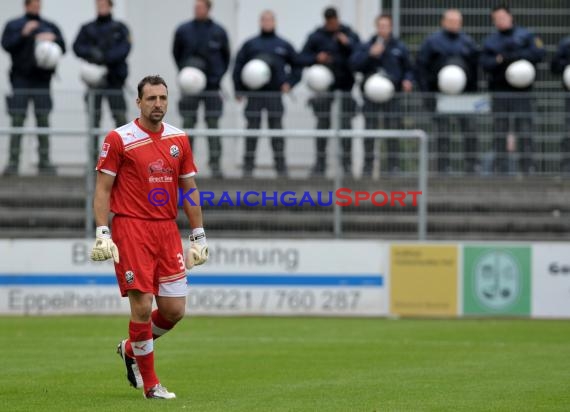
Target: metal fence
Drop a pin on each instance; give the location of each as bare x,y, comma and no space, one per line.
416,19
495,165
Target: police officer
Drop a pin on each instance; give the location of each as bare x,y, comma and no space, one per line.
560,61
450,45
282,59
511,105
332,45
106,42
29,81
202,43
388,56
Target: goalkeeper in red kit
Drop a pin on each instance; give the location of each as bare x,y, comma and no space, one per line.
141,167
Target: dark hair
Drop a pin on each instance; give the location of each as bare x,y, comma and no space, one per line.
208,3
501,6
330,13
27,2
153,80
384,16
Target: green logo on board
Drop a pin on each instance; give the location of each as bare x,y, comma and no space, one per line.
496,280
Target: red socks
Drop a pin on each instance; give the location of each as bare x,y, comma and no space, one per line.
141,344
160,325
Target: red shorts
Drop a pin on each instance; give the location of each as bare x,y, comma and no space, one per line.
150,254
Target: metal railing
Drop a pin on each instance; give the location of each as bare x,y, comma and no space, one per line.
499,194
336,134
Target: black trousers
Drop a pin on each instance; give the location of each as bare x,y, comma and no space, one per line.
382,116
213,110
443,127
118,105
565,143
273,106
26,91
322,107
512,113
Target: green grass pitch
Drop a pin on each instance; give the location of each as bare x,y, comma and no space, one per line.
292,364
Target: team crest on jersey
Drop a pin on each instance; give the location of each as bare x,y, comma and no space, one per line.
129,276
105,150
174,151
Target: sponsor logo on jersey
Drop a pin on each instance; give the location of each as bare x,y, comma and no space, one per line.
157,167
174,151
105,149
159,173
160,179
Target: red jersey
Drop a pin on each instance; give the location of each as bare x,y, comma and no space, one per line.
147,167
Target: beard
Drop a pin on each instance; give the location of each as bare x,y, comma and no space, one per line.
156,117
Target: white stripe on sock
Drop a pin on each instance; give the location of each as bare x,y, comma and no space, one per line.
142,348
158,331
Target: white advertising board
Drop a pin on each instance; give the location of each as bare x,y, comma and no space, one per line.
242,277
550,280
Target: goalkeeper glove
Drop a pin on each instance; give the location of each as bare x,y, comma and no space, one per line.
198,252
104,247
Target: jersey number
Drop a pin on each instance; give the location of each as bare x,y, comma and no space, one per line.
181,261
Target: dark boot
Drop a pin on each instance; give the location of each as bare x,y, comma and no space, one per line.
368,168
319,168
347,157
14,150
249,157
45,166
215,148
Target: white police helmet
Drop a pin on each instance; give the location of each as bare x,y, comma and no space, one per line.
378,88
255,74
451,79
566,76
93,75
319,77
520,74
47,54
191,80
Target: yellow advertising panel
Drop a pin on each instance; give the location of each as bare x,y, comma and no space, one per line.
423,280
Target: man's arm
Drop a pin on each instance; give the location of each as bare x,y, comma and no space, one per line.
226,53
241,60
198,252
193,213
359,59
534,51
407,68
118,50
308,55
489,59
81,45
59,37
295,68
102,198
178,47
13,36
562,57
104,247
